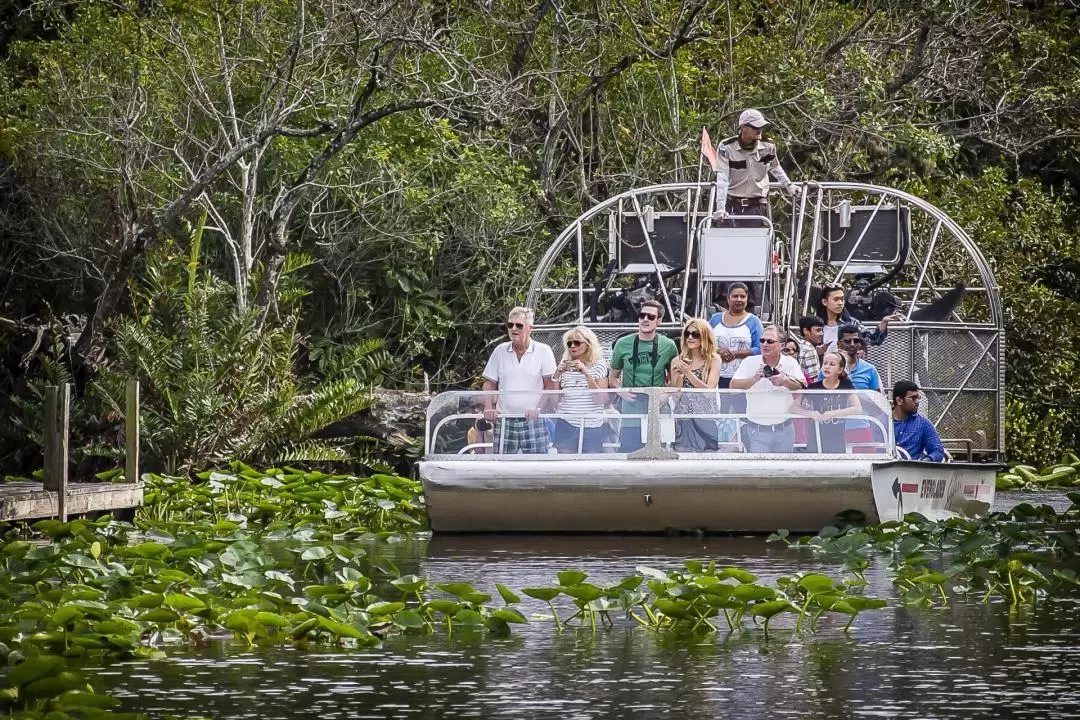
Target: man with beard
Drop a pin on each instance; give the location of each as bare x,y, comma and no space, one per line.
638,361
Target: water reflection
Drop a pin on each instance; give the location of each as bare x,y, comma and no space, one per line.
964,661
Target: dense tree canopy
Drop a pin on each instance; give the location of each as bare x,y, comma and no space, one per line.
415,156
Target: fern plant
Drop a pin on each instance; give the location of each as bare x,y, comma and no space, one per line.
219,385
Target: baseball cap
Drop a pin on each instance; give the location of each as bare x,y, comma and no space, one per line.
753,118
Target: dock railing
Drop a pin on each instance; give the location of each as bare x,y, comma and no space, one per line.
56,443
658,423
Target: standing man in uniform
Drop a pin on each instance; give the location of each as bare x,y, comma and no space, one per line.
744,164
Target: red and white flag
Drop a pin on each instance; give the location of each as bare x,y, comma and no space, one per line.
708,150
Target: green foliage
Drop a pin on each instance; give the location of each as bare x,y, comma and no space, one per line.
219,383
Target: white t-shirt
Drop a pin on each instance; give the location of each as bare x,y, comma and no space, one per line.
828,336
767,404
579,399
734,338
514,376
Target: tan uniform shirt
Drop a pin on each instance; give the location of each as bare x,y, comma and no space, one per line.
745,173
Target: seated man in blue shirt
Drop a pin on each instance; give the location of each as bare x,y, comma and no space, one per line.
914,432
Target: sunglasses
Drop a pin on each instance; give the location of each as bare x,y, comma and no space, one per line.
515,326
646,316
696,335
767,341
574,343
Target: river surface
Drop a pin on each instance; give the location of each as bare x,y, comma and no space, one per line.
968,660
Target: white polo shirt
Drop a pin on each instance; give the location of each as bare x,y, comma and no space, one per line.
526,374
767,404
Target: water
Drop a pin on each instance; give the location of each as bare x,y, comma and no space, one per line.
968,660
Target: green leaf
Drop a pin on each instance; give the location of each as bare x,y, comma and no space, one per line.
409,619
35,668
509,596
545,594
158,615
184,603
816,583
769,609
384,608
571,577
457,589
510,615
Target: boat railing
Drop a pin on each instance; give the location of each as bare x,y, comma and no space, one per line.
655,423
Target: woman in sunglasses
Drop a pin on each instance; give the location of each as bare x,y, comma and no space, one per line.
697,366
580,374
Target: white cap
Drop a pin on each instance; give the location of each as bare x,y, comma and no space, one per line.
753,118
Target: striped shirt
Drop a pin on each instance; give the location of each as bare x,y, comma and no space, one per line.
579,400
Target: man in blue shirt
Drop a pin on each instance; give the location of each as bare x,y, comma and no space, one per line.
914,432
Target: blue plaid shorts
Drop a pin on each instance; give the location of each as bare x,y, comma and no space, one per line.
518,435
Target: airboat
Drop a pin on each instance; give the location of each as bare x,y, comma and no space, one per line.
896,253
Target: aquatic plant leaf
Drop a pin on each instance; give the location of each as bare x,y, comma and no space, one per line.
16,548
146,600
115,626
446,607
65,614
816,583
510,615
739,574
583,592
571,577
752,593
509,596
148,550
49,687
545,594
184,603
843,606
469,617
631,582
476,598
158,615
342,629
35,668
865,603
317,552
409,619
672,608
693,566
302,629
409,583
271,619
384,608
77,699
771,608
653,573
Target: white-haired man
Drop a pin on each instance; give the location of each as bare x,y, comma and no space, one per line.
520,369
769,379
744,164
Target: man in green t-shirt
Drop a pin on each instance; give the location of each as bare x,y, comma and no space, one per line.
640,360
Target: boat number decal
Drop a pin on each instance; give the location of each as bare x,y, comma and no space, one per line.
932,488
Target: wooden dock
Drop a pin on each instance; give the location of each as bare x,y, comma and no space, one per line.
21,500
56,497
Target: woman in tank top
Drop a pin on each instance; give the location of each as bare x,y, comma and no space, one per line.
697,366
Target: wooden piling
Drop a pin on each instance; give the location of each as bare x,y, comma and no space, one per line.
131,432
55,442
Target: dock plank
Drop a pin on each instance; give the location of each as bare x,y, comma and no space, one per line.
24,500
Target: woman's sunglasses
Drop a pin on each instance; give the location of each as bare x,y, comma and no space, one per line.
574,343
696,335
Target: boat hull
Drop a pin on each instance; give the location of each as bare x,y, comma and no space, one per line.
752,495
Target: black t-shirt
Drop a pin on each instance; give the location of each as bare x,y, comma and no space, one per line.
826,401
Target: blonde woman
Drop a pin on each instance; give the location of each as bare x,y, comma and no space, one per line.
697,366
580,374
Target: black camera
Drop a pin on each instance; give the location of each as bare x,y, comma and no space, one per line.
483,424
769,371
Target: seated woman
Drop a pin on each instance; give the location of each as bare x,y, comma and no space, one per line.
828,408
697,366
580,373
